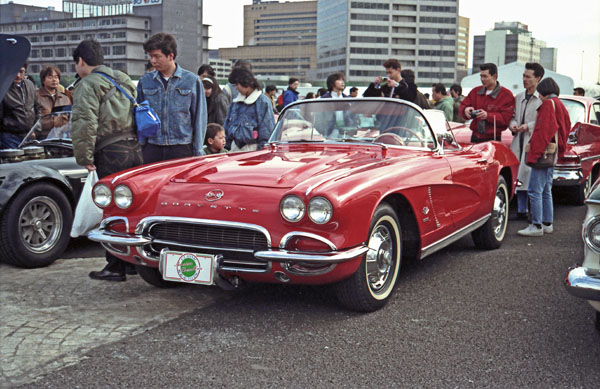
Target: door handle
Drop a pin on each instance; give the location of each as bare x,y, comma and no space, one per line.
482,161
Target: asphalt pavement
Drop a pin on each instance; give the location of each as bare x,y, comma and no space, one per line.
460,318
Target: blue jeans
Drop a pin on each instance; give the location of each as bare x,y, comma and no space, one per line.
540,195
9,141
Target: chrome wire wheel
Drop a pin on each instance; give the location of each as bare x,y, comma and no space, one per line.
40,224
380,257
500,212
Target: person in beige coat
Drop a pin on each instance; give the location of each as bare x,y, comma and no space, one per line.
522,125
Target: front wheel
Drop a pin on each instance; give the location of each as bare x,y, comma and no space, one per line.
491,234
152,276
371,286
35,227
581,191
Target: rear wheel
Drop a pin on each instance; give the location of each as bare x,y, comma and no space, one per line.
491,234
152,276
35,226
371,286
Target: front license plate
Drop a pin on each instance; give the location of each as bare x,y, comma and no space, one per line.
192,268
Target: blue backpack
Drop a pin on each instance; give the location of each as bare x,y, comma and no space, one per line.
146,120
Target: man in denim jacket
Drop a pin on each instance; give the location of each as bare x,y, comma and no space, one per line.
177,96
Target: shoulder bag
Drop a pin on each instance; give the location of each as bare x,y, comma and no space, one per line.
146,119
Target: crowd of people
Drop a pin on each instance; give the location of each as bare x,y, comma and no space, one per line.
199,117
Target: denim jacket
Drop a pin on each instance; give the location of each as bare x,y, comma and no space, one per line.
249,120
181,108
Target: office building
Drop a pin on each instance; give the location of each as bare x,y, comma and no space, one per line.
508,42
279,39
356,37
548,57
121,27
462,48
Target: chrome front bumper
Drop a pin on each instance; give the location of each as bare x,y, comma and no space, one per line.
111,239
566,177
580,283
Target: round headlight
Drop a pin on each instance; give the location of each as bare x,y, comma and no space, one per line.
591,234
292,208
123,196
320,210
102,195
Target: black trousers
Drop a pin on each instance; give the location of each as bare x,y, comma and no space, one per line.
111,159
156,153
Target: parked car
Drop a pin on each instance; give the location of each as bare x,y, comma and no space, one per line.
343,193
577,170
40,182
583,280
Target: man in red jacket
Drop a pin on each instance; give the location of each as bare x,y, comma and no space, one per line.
491,107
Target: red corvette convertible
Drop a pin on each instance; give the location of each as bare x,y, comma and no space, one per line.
579,168
342,194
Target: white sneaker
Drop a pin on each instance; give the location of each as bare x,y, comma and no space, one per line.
547,229
531,230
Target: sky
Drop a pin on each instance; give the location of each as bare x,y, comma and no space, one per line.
571,26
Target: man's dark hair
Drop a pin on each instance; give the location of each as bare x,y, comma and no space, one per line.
408,75
206,69
392,63
548,87
90,51
270,88
321,91
491,67
244,77
292,80
212,129
579,90
332,78
25,65
353,89
242,63
457,88
163,42
149,65
538,70
47,70
439,88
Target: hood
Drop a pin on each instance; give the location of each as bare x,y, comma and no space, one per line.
15,50
280,168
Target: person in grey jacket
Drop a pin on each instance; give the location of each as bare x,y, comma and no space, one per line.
19,110
177,96
522,125
250,119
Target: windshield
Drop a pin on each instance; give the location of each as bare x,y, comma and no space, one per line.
576,111
56,125
358,120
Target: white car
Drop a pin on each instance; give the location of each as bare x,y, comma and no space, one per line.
583,281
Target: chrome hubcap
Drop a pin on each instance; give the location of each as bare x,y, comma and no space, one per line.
380,257
499,213
40,224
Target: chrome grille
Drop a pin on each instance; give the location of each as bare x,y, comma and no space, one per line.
235,244
208,235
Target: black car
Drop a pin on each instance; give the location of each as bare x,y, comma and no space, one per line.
40,182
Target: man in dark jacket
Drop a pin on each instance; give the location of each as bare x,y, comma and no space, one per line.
394,86
102,123
19,110
291,94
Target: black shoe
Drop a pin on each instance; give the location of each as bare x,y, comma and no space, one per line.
107,275
130,270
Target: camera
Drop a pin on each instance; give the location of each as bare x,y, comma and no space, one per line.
384,79
474,113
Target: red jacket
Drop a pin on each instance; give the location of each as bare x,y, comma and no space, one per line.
500,104
550,119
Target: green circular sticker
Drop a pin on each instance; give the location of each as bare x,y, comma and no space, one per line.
188,267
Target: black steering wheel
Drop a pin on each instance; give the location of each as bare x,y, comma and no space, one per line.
389,131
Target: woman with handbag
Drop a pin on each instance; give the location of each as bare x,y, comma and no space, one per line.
547,143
